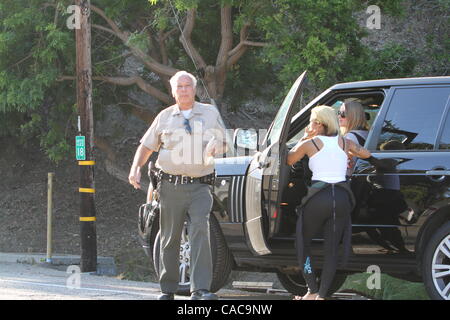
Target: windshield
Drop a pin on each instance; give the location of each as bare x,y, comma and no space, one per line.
278,123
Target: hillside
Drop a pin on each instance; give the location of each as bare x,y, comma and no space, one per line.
23,208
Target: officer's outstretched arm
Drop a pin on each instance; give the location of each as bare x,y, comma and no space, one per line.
140,158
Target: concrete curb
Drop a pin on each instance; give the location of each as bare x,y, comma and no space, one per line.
105,265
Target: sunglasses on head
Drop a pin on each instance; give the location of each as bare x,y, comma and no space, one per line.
341,114
187,126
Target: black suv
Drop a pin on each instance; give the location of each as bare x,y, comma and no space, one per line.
401,223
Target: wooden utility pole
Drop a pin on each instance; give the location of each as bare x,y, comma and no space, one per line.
86,128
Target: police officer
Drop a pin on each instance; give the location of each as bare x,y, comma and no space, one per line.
187,134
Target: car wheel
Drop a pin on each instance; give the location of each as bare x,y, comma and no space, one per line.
436,264
295,283
222,259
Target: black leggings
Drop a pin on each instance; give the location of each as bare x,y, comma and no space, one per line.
318,215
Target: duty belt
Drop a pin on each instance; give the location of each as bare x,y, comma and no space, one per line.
181,179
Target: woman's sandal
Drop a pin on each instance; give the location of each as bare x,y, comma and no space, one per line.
306,296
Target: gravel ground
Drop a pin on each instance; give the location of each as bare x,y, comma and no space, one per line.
23,210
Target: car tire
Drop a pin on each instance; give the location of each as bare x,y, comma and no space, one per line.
295,283
222,259
436,264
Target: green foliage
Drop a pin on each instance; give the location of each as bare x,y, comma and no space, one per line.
251,79
183,5
139,40
324,38
437,53
313,35
33,53
393,60
390,288
56,148
445,4
393,8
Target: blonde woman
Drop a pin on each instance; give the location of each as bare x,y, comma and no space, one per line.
329,201
354,126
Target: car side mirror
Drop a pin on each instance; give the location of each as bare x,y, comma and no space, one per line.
246,139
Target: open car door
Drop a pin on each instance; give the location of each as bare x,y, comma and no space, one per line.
267,174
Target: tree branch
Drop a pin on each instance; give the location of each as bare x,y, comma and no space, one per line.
242,37
167,34
237,52
128,81
139,111
114,27
21,60
186,41
148,61
226,33
96,26
255,43
141,83
162,37
123,55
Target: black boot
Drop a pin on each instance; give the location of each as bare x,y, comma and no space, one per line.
203,294
166,296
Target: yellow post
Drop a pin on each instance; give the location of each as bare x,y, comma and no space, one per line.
49,216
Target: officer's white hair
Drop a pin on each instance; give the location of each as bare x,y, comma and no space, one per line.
174,80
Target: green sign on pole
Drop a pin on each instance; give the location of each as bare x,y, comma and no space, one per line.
80,143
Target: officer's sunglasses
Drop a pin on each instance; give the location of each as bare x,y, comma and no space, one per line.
187,126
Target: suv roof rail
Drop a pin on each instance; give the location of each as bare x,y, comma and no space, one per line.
391,82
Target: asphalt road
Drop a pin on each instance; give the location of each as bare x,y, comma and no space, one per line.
38,282
25,277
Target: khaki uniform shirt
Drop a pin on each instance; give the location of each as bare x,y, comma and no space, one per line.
181,153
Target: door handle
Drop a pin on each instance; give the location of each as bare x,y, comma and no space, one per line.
437,173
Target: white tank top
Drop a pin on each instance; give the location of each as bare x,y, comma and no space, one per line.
329,164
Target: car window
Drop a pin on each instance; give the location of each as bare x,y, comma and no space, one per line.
413,119
278,122
293,141
371,108
370,101
444,143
